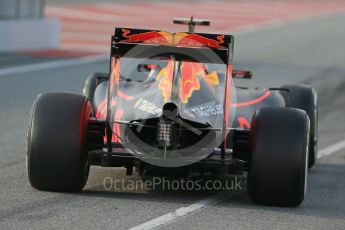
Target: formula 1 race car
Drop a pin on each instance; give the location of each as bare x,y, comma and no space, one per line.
168,107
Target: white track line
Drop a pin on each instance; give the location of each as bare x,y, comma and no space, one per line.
336,147
243,30
212,200
279,23
89,47
53,64
183,211
80,14
86,36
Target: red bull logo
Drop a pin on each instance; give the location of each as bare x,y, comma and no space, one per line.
195,40
151,37
171,39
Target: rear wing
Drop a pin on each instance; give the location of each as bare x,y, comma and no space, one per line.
182,45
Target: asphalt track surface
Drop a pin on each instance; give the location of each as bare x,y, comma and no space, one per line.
311,51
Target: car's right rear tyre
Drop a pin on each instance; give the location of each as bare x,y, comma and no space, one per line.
278,166
57,142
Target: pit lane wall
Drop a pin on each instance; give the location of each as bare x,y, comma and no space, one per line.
23,26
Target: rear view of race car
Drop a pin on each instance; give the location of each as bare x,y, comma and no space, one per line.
169,106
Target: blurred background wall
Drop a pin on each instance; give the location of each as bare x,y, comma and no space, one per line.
23,26
11,9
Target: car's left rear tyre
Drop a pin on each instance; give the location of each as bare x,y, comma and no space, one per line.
304,97
57,142
278,166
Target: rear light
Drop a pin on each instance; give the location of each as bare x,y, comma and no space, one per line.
164,133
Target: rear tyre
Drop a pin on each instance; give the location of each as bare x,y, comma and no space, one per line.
278,167
92,82
304,97
57,142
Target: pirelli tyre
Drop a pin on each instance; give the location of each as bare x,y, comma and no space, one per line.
304,97
56,148
277,173
91,83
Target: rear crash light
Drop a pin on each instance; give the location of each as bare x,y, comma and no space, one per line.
164,133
